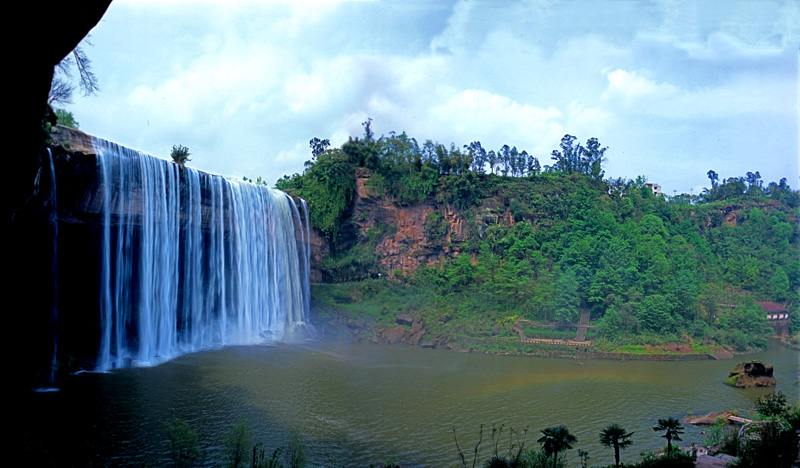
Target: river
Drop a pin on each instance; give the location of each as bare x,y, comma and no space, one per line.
362,404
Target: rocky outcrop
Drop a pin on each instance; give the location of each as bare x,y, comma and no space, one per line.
406,330
393,334
409,330
708,419
407,246
751,374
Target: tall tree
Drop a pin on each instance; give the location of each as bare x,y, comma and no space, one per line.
615,436
318,147
369,135
491,158
568,159
672,430
593,157
555,440
505,158
478,156
714,178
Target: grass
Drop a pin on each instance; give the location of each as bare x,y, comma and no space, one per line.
549,333
701,349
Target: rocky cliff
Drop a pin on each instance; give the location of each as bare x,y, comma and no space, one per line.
412,241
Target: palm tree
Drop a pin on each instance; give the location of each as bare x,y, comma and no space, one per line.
672,429
615,436
556,440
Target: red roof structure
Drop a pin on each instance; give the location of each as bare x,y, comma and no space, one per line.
772,307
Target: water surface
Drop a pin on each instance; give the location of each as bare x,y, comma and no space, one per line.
362,404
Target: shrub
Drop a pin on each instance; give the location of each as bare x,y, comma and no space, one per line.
238,442
297,449
180,155
183,443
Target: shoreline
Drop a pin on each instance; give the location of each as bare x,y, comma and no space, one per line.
555,351
356,331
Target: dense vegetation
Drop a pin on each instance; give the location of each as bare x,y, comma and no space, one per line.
545,243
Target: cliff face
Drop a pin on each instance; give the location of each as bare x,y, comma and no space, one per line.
406,249
409,244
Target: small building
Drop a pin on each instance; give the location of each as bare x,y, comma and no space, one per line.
778,317
655,188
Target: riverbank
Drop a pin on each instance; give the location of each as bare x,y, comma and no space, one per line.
394,313
411,331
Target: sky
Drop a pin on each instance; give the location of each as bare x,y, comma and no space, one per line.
673,88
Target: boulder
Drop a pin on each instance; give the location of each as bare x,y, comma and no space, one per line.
393,334
356,324
415,338
404,319
416,326
751,374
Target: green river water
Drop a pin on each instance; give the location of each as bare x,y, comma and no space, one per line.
362,404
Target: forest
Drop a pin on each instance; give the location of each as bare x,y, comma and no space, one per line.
650,269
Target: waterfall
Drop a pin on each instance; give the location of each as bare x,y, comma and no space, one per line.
193,261
54,269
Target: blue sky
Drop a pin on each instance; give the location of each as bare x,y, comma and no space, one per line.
673,88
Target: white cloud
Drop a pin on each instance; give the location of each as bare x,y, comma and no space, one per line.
245,86
474,114
632,87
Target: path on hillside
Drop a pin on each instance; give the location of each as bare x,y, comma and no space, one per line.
582,326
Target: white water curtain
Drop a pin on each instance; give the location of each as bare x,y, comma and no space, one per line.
192,261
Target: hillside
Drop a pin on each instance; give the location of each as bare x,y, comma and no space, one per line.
483,256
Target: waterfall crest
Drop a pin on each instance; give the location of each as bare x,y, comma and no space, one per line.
192,261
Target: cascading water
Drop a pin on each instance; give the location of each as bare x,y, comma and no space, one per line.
47,182
192,261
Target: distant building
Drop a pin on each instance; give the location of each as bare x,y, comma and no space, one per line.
655,188
778,317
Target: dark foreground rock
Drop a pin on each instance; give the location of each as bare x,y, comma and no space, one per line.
751,374
708,419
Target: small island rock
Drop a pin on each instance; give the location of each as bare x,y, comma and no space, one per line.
751,374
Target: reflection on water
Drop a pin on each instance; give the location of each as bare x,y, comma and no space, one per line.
362,404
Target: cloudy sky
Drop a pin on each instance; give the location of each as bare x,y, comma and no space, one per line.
674,88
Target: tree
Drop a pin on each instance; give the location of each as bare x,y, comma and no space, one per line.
714,178
66,118
62,88
318,147
772,405
555,440
368,133
615,436
577,158
180,154
183,443
594,156
672,430
780,284
238,443
491,158
297,449
568,297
